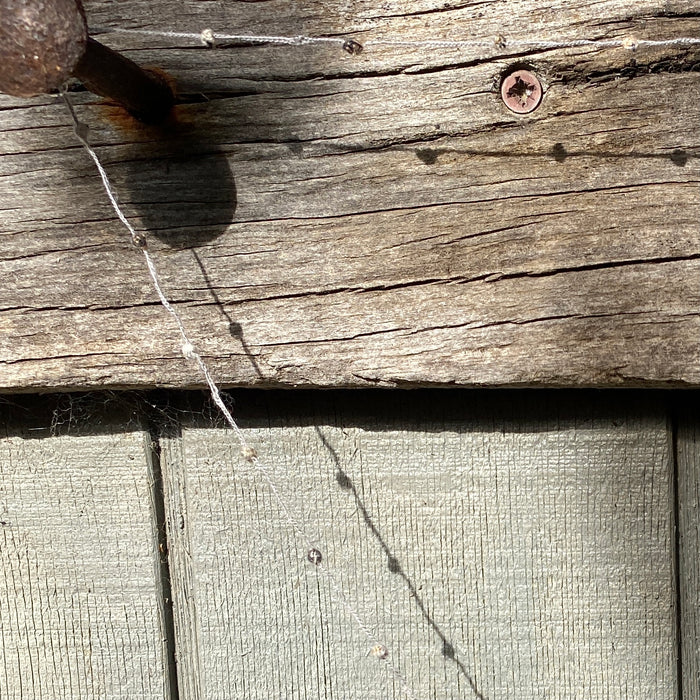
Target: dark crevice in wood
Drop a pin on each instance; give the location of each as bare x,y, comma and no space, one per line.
193,98
608,265
446,8
418,140
688,61
355,336
409,69
458,279
316,76
68,356
55,251
676,563
164,588
350,290
459,202
514,59
670,14
91,307
18,108
527,321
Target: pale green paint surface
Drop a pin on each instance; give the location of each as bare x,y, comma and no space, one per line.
525,541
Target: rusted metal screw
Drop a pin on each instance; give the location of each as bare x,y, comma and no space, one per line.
43,42
521,91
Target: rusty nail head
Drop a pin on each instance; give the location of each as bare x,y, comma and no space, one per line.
521,91
43,42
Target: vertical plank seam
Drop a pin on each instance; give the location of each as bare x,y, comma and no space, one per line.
162,559
674,419
182,581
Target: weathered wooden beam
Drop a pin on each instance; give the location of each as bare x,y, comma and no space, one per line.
328,219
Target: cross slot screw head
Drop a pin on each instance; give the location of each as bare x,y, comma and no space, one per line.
521,91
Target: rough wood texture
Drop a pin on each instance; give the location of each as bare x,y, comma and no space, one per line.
330,219
689,547
524,545
79,589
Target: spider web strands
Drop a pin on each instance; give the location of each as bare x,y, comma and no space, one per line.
209,38
247,451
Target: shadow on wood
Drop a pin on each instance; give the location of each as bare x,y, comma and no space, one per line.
180,183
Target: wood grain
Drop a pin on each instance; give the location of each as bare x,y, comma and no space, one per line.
80,599
325,219
689,546
499,545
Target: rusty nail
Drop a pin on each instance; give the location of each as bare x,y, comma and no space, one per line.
521,91
43,42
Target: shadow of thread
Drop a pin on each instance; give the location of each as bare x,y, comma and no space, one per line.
430,156
448,650
234,327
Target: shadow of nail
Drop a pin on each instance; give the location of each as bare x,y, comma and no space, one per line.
176,181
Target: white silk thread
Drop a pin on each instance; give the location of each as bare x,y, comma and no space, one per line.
211,38
247,451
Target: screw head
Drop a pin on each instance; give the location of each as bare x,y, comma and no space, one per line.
521,91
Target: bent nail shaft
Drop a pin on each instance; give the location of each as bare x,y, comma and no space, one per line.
105,72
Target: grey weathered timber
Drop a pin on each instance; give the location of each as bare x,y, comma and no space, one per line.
327,219
80,598
500,546
689,548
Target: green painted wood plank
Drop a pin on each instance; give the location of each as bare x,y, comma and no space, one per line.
80,614
524,542
689,546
